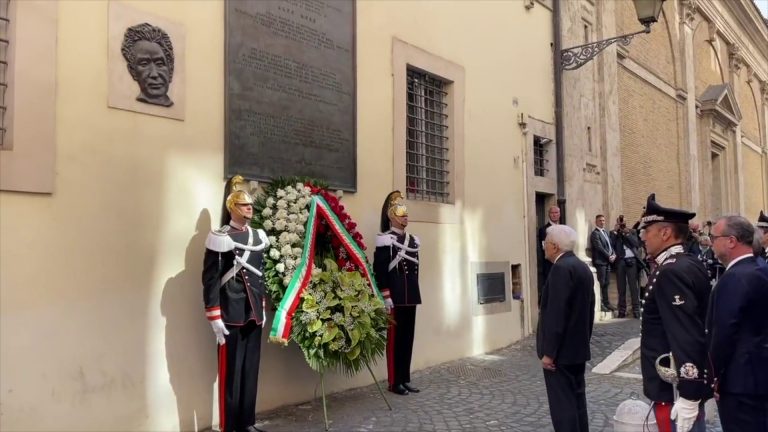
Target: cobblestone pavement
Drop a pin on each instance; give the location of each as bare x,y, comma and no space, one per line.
498,391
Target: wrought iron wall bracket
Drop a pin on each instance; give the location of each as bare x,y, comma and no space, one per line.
576,57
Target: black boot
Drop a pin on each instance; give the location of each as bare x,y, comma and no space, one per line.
399,389
411,388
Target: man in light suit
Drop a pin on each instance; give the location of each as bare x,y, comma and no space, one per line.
737,329
565,328
603,256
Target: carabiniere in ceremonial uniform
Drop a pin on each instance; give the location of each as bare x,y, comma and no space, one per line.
396,268
673,312
233,293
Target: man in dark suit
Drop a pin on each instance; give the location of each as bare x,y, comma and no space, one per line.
625,244
603,256
737,329
674,309
544,265
565,328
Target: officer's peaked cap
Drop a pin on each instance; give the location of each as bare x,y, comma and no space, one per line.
762,220
654,212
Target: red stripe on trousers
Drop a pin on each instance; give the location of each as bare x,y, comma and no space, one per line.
223,387
663,411
391,353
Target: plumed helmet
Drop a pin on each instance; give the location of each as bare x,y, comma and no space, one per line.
394,205
238,193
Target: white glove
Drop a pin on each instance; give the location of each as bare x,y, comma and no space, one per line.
388,304
220,330
684,412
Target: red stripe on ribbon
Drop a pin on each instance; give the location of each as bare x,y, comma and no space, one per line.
307,277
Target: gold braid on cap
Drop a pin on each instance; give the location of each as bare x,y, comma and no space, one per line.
238,193
396,205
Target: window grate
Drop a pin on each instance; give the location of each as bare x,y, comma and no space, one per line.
427,140
5,45
540,160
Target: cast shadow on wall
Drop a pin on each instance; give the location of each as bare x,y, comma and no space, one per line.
190,347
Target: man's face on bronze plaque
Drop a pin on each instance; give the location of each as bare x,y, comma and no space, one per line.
150,69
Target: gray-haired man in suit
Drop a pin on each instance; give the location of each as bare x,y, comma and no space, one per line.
565,328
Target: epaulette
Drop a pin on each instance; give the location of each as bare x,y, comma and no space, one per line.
218,240
385,239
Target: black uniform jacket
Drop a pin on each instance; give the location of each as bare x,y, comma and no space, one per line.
241,298
737,329
567,312
673,314
402,281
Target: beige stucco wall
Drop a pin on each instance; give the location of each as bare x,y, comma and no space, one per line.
101,323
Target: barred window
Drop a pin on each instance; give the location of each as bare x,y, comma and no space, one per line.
540,160
5,42
427,138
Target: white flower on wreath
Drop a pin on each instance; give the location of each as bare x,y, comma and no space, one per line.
291,196
280,193
290,264
287,280
280,267
270,202
307,190
289,189
291,226
281,214
316,270
294,208
295,238
280,225
285,237
286,250
299,229
300,186
267,212
297,251
293,217
272,239
281,204
274,253
303,219
268,225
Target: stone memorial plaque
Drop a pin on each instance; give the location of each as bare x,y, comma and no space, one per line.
290,96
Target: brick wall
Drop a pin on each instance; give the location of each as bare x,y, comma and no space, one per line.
707,70
753,183
650,155
654,51
746,95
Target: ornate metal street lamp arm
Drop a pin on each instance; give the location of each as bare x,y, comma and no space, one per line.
576,57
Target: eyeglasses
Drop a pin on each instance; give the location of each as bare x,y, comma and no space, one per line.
715,237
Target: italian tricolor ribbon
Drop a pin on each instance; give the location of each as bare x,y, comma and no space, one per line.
281,325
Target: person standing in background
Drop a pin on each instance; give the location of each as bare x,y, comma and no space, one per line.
553,218
603,256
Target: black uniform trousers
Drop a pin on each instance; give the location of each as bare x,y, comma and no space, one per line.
400,344
743,413
603,278
239,377
626,274
566,392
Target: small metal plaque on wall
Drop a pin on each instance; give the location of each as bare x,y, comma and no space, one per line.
290,90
